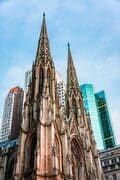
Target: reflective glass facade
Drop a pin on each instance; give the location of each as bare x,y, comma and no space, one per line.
104,116
90,106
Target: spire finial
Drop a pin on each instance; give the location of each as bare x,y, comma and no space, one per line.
68,44
43,14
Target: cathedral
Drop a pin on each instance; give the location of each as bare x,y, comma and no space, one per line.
55,144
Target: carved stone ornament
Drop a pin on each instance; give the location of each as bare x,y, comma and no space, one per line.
73,128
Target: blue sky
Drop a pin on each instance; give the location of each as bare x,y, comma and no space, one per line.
92,28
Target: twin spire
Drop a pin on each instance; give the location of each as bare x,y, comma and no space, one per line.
72,81
43,54
43,50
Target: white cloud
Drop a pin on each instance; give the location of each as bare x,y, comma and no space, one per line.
105,70
15,75
27,11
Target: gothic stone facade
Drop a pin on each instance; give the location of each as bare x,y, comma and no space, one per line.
55,145
8,155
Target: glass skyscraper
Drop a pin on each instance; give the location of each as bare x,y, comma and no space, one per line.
104,116
90,106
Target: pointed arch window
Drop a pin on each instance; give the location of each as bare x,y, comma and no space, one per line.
75,108
32,80
49,81
32,152
56,152
67,109
41,80
10,167
76,160
30,155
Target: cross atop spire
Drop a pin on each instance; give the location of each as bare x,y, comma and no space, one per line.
72,81
43,33
43,51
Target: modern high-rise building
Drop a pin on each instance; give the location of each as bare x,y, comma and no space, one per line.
61,89
28,79
12,114
105,121
90,106
110,161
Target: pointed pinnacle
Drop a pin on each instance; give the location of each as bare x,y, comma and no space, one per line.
43,33
72,82
43,43
70,59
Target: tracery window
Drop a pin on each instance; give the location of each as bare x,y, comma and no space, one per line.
33,84
41,80
75,110
67,108
49,81
76,160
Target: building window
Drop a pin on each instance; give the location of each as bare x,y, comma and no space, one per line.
102,163
106,178
106,162
118,176
112,167
114,177
114,160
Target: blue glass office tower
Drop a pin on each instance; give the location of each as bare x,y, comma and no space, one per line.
90,106
104,116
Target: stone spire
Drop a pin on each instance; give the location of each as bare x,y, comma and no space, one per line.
43,50
43,33
72,81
